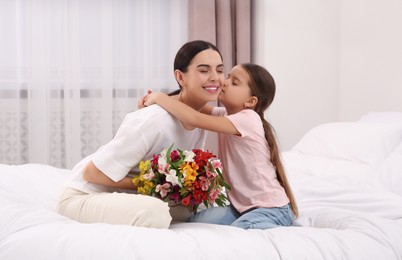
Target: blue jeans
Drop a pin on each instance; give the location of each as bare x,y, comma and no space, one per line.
259,218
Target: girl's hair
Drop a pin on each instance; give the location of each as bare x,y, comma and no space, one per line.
186,54
262,86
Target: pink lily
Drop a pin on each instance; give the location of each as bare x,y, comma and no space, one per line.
163,189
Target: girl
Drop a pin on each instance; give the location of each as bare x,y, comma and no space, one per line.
94,193
261,197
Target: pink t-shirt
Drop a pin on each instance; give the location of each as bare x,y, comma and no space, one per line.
246,163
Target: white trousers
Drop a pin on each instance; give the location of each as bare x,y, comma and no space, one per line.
115,208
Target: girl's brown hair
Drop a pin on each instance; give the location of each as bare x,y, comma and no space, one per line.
262,86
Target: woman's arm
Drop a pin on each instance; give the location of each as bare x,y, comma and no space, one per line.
189,116
94,175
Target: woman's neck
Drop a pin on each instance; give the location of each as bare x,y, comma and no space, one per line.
195,104
180,98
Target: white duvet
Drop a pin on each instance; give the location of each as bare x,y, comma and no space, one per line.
346,178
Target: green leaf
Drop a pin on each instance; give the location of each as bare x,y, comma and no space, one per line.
168,154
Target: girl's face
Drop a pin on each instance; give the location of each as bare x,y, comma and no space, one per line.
235,91
203,80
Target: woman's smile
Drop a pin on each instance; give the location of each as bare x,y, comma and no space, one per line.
212,88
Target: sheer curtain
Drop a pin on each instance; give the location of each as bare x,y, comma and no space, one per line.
70,70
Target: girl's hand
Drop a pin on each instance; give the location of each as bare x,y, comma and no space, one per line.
152,98
141,101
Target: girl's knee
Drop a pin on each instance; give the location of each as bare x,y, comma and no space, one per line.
244,224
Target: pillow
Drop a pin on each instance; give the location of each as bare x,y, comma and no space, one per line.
382,117
368,143
299,167
390,173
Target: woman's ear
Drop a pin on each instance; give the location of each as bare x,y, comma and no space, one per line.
251,102
179,77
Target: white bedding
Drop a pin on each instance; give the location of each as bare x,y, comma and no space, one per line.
346,178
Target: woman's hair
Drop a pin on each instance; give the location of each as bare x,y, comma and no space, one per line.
186,54
262,86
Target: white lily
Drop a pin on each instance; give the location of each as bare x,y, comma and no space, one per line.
172,178
189,156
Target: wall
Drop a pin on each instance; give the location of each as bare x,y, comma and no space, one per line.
298,42
371,58
332,60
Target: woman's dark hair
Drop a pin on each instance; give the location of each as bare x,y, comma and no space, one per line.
186,54
263,86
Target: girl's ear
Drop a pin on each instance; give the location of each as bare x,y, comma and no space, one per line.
251,102
179,77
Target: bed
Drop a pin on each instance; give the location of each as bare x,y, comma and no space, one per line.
347,180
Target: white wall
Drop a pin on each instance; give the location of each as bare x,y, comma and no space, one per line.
371,57
332,60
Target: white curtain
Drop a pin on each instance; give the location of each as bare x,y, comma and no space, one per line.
70,70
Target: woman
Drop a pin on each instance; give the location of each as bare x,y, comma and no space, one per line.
101,189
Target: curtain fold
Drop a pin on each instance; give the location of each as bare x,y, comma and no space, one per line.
70,70
226,23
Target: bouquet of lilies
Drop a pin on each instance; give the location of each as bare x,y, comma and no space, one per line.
185,177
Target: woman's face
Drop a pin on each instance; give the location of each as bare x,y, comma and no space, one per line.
203,80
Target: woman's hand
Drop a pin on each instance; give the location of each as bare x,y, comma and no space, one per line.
141,101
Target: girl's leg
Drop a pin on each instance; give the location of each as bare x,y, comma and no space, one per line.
263,218
216,215
115,208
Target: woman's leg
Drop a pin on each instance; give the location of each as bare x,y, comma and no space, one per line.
263,218
115,208
216,215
